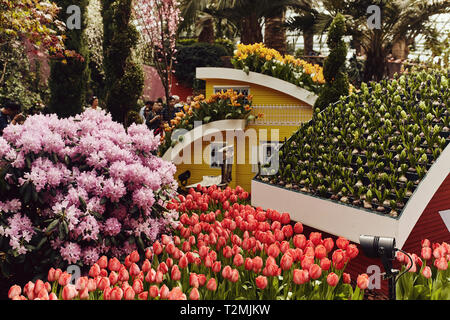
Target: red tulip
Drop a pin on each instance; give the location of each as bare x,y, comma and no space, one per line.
148,254
248,264
164,292
134,270
14,291
316,238
69,292
159,277
426,253
329,244
103,283
91,285
300,276
116,293
426,272
163,268
81,283
211,285
285,218
64,279
183,263
123,275
286,262
307,262
261,282
129,293
201,279
299,241
52,296
273,250
38,286
226,272
113,278
157,248
193,280
234,276
346,278
339,258
114,264
238,260
153,291
441,263
363,281
51,275
143,295
84,294
315,271
194,295
325,264
216,267
103,262
257,264
138,286
352,251
94,271
176,294
332,279
320,252
342,243
426,243
298,228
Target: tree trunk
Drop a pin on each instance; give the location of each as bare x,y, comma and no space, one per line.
251,30
308,42
275,32
375,66
207,34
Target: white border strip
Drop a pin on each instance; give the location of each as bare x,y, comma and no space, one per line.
258,79
200,133
324,215
422,196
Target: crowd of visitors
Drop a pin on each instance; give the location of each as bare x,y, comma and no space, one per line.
156,113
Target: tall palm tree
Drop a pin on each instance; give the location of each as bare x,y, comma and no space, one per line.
247,15
401,22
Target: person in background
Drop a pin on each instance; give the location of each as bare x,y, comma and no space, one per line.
168,113
154,119
94,103
178,103
10,114
189,100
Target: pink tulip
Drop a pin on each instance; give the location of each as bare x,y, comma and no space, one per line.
14,291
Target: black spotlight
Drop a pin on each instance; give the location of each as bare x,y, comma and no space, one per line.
384,248
184,177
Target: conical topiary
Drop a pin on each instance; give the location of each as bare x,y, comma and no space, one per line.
334,71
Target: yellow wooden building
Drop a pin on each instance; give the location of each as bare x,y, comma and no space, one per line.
284,107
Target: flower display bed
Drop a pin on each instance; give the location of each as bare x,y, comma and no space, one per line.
372,149
223,249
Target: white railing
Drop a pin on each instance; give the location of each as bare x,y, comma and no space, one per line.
282,114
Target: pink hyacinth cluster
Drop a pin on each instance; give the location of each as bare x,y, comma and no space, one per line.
82,181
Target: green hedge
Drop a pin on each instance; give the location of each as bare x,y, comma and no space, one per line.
197,55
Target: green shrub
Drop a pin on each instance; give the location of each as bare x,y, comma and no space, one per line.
197,55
